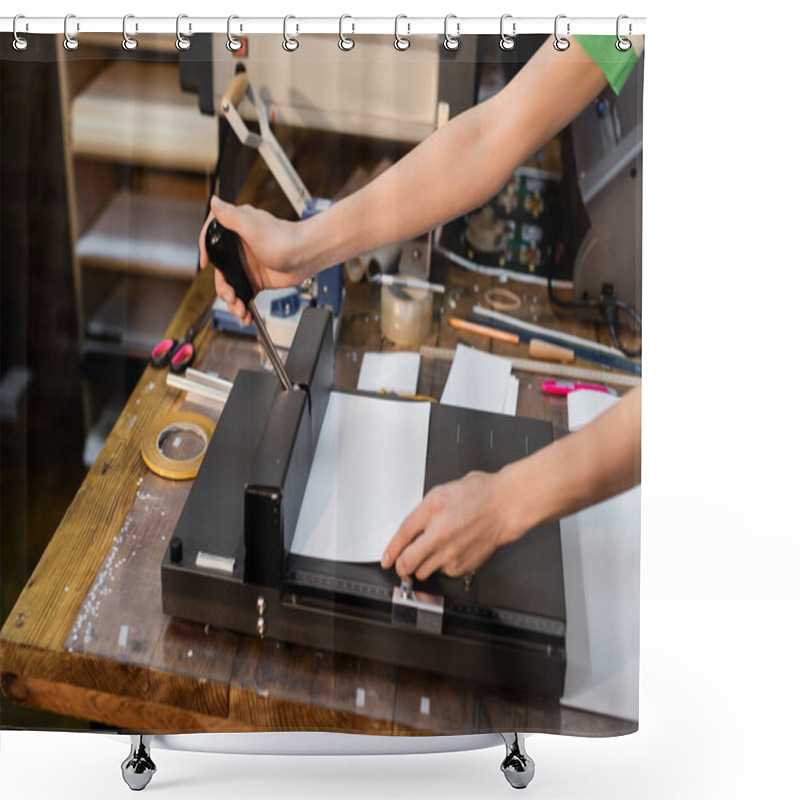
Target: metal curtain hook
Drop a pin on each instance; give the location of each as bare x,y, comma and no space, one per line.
233,44
128,43
181,41
20,43
345,43
451,42
70,42
560,42
623,43
290,44
507,42
400,42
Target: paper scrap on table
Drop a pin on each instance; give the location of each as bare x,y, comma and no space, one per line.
477,380
512,395
368,474
583,405
393,372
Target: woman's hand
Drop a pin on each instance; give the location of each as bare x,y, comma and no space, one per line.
268,244
459,525
455,529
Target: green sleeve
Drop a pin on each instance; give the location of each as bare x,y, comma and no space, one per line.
616,64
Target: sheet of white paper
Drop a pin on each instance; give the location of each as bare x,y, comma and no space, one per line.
368,474
477,380
583,405
394,372
512,395
600,548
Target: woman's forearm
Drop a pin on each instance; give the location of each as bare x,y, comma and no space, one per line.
458,167
584,468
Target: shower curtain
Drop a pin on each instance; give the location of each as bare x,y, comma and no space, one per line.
461,221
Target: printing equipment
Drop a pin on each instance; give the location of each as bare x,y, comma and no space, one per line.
230,564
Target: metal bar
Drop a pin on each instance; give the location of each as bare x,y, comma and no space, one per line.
277,160
360,25
197,388
272,352
214,381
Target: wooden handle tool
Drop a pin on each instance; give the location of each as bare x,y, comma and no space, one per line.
544,351
235,92
484,330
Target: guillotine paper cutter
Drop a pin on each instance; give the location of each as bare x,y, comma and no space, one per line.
230,562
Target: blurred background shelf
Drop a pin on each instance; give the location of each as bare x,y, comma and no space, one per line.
135,112
138,159
150,234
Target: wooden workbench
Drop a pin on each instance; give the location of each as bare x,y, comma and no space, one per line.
87,637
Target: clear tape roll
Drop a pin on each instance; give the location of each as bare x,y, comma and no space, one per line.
406,315
166,429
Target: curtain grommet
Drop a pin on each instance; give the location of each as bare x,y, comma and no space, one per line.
182,42
233,44
20,43
507,42
560,43
451,42
128,42
401,43
345,43
623,43
70,42
290,44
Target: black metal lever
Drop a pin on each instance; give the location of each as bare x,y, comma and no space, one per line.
222,246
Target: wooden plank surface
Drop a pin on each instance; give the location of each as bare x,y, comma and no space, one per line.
87,636
53,596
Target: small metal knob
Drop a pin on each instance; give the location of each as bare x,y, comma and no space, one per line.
175,550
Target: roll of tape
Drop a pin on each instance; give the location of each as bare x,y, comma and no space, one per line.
173,446
503,299
406,314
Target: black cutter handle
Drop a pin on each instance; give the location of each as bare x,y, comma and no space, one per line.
222,246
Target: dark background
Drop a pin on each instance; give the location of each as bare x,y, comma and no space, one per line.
40,452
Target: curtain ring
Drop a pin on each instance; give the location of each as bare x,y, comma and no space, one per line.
507,42
20,43
233,44
451,42
560,43
128,43
623,43
290,44
181,41
345,43
400,42
70,42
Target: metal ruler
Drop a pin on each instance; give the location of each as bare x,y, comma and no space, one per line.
547,368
